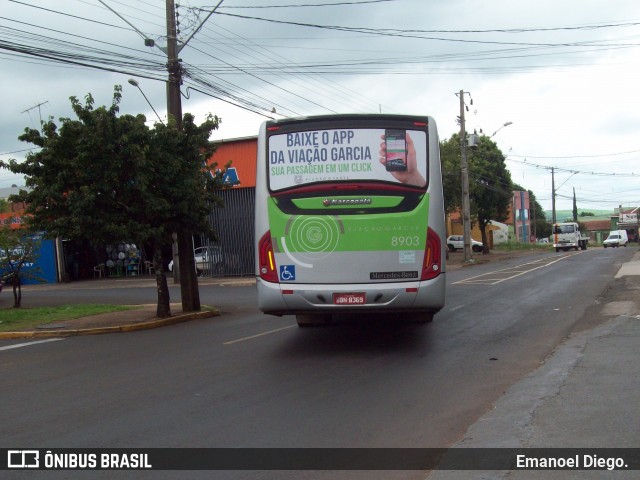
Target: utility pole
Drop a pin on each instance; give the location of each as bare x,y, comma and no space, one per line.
553,197
637,225
174,102
186,266
637,210
464,173
184,262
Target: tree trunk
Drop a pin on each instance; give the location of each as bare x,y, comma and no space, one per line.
17,291
163,309
483,233
188,277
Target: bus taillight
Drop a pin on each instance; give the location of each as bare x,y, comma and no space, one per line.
267,261
432,265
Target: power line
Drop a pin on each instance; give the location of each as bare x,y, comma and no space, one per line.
68,15
88,62
305,75
202,76
580,172
579,156
47,39
19,151
414,34
361,2
261,79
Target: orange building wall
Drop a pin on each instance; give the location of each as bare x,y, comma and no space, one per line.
11,220
243,154
15,218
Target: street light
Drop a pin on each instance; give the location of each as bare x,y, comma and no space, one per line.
506,124
137,85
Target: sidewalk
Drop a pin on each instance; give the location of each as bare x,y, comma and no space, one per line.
585,395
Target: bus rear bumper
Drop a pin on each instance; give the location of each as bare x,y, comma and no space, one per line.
296,299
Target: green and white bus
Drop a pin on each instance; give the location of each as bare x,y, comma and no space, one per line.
350,217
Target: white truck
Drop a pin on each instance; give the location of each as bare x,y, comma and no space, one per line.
567,235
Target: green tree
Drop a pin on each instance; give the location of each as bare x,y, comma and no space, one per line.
450,164
4,206
490,185
17,258
107,178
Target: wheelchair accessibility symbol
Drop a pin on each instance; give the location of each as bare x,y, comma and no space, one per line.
287,273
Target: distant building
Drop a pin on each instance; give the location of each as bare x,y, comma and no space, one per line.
13,217
517,227
46,251
6,192
521,220
626,219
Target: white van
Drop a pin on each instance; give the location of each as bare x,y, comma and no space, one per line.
616,238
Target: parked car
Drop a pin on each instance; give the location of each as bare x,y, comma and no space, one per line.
456,242
616,238
207,258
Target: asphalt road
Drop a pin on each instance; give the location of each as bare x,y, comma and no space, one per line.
249,380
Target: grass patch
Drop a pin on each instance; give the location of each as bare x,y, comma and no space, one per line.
523,247
20,318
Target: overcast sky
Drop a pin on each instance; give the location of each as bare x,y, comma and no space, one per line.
565,73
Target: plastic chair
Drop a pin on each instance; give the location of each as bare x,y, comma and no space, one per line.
149,268
98,271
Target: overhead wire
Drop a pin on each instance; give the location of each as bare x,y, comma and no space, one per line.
305,5
352,71
39,7
235,99
199,72
571,170
412,34
306,76
68,54
266,81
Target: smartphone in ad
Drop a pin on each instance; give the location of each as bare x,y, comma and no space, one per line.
396,148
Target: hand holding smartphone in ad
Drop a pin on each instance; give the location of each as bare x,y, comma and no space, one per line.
398,155
395,150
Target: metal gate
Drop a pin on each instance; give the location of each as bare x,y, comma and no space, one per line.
233,253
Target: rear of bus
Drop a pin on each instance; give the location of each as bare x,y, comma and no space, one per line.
350,217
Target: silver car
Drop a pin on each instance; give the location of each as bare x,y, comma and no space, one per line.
208,259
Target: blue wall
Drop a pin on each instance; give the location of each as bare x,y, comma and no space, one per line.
45,260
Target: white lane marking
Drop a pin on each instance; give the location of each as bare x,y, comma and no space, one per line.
19,345
231,342
512,272
457,307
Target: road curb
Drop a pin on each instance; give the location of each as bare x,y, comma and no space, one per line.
134,327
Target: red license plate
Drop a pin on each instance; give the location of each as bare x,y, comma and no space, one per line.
348,298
